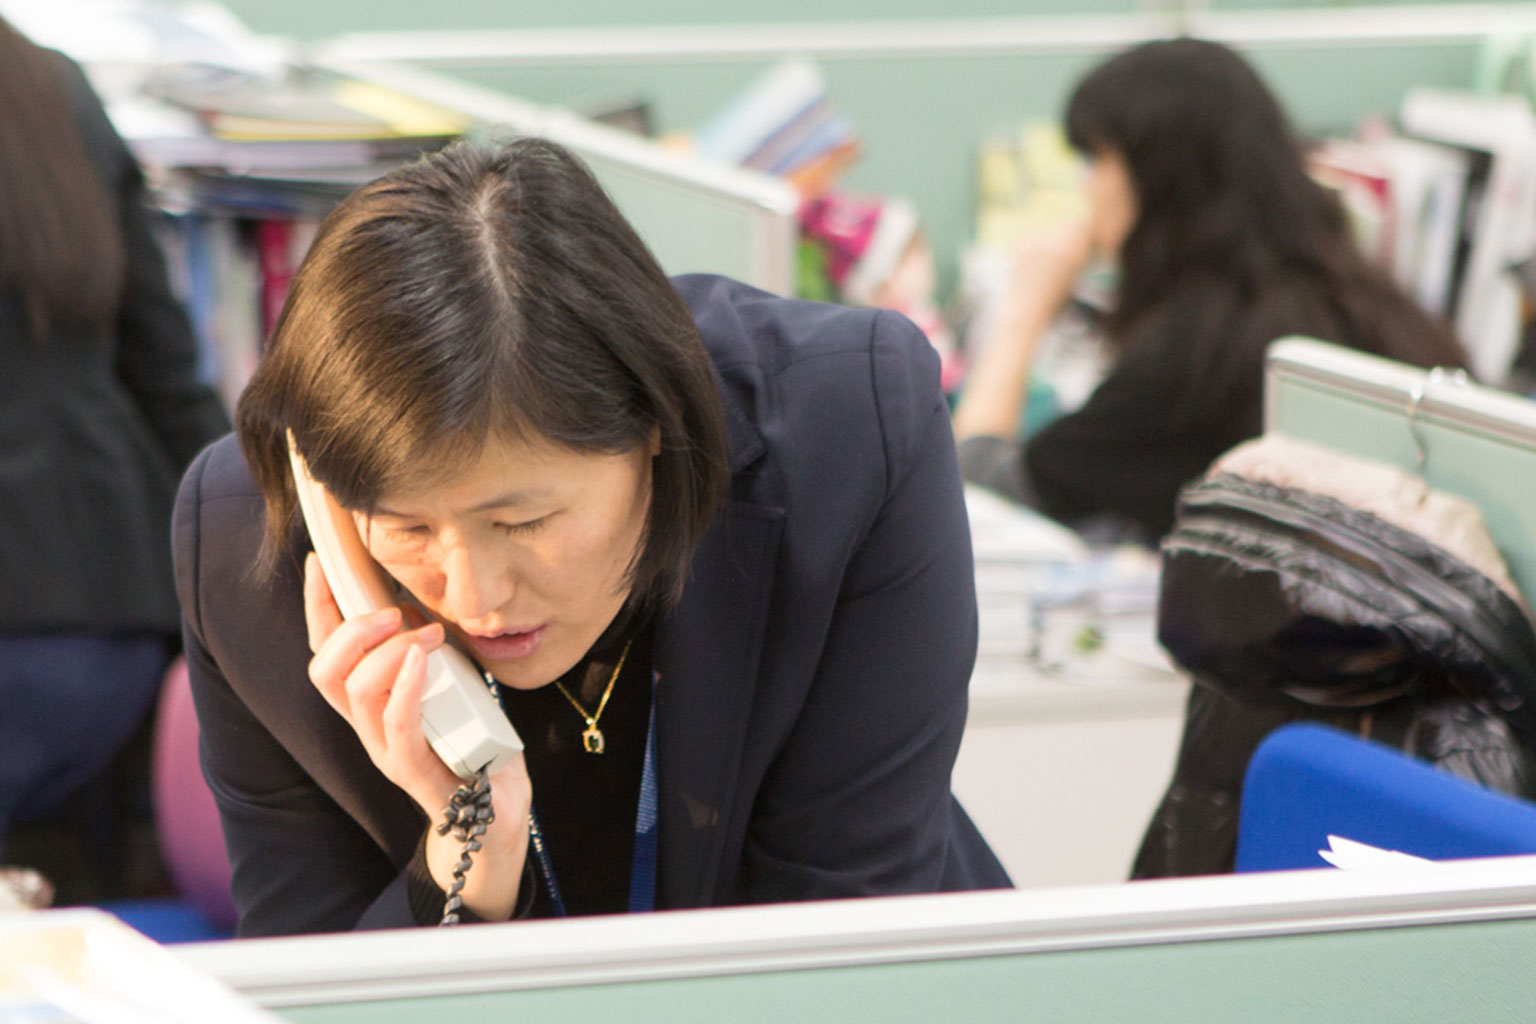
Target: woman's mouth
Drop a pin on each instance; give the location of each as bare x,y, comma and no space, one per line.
509,646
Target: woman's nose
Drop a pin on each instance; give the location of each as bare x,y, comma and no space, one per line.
473,588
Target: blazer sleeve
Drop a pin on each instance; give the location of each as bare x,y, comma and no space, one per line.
157,356
858,801
301,861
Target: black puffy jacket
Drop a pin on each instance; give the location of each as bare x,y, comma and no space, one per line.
1300,585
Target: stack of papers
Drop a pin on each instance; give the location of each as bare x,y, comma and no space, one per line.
191,89
1049,603
1356,856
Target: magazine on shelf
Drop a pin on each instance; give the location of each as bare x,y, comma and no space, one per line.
1498,134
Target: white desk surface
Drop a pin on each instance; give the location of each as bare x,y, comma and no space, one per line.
1062,771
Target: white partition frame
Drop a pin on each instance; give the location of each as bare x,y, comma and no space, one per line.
940,37
419,963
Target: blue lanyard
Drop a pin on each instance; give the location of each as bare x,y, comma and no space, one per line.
546,869
642,875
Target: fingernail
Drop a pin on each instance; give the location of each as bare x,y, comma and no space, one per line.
384,616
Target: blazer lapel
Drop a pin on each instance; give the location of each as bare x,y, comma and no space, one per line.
706,662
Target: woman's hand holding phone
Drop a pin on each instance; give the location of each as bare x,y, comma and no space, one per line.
372,671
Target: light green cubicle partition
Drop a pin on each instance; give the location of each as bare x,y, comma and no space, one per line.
1476,442
694,216
926,86
1435,943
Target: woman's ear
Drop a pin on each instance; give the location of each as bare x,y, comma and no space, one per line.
654,445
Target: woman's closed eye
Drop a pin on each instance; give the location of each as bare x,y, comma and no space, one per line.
527,526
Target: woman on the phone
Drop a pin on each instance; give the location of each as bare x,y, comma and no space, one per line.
1197,189
709,544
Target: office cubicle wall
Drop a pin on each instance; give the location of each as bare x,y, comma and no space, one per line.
925,88
1440,942
1472,441
695,216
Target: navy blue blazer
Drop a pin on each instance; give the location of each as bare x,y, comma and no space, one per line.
810,684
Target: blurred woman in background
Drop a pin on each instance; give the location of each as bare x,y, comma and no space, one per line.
1197,188
100,411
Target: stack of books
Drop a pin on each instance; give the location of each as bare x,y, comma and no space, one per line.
245,152
1406,202
231,140
244,165
1494,138
1447,203
784,124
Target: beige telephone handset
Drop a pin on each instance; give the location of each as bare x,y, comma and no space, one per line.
459,717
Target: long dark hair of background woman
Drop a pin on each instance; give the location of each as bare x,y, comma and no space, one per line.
1197,189
1230,221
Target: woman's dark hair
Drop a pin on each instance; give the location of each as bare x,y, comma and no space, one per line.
61,246
486,292
1229,221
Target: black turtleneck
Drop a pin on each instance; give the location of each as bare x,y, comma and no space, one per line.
585,802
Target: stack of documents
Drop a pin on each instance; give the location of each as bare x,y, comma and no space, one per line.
1050,603
193,91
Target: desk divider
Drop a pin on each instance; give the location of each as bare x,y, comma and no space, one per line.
1479,443
1446,941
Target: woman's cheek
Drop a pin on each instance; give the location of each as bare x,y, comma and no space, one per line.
572,565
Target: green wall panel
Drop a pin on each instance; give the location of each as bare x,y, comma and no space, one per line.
922,118
1438,974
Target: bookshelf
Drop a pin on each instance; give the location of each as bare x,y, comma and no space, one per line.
248,145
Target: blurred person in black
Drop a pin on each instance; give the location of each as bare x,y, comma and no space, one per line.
1197,188
100,411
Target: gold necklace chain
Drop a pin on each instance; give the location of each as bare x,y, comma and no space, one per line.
592,737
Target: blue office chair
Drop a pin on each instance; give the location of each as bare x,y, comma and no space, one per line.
1308,781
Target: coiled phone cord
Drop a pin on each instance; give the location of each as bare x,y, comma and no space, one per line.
468,814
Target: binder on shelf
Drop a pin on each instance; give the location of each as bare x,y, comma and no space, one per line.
783,123
1498,134
786,98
